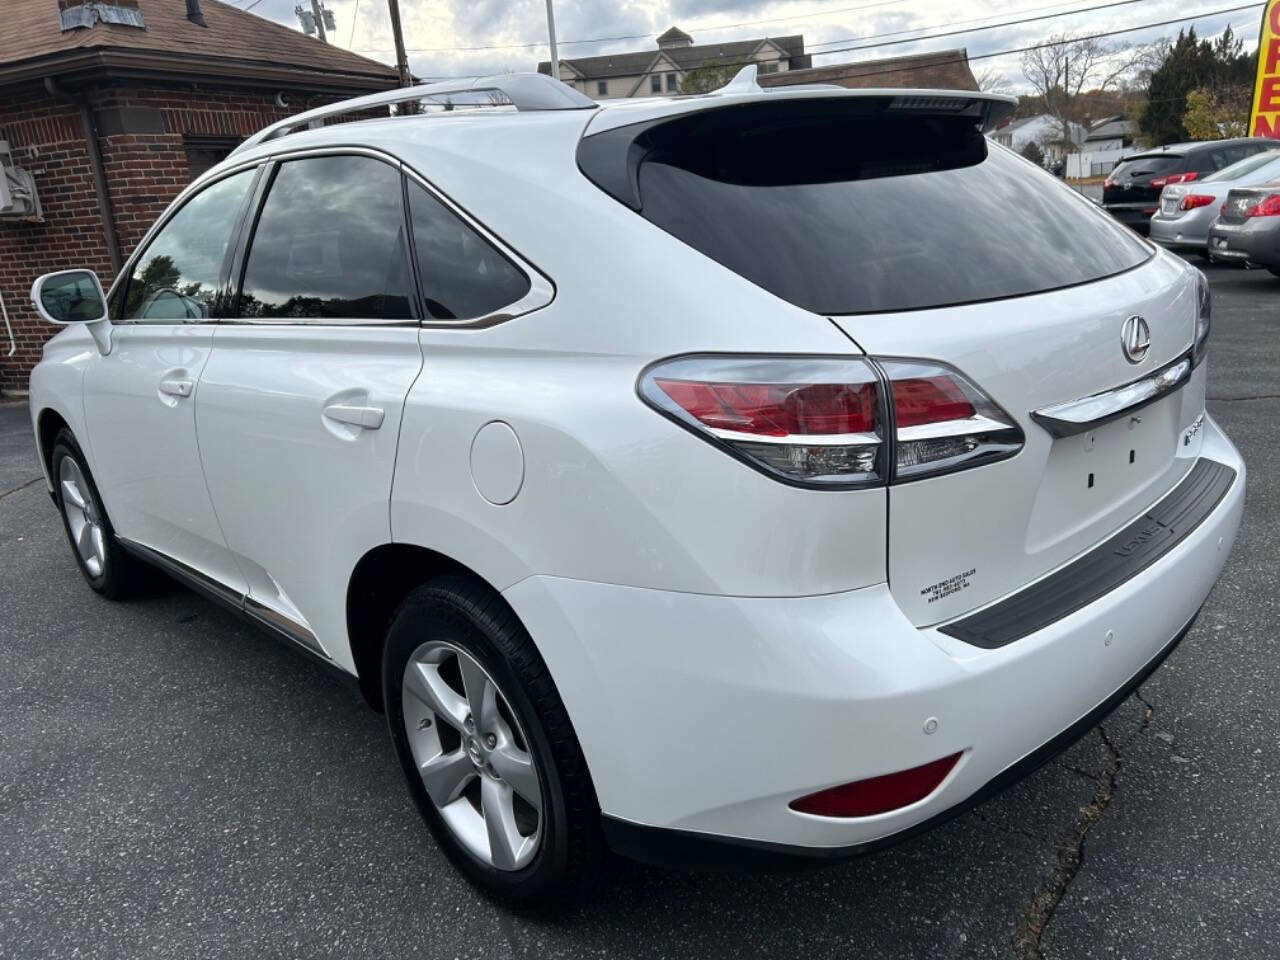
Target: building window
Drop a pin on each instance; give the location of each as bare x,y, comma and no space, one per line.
671,82
655,83
602,88
770,67
205,152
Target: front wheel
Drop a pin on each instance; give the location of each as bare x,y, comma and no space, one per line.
103,563
486,745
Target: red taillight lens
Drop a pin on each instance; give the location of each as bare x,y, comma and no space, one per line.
865,798
1193,200
943,421
777,409
1270,207
818,421
918,400
813,421
1173,178
1108,183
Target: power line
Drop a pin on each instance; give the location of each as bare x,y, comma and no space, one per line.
800,18
951,23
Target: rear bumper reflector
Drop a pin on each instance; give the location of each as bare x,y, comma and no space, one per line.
1103,568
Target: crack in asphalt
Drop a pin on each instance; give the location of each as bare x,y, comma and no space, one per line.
21,486
1029,931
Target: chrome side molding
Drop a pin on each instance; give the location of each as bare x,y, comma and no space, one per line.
272,620
1078,416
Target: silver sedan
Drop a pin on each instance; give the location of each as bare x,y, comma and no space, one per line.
1187,210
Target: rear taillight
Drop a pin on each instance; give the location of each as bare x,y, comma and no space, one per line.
1204,316
835,423
866,798
1173,178
1269,207
943,421
815,421
1193,200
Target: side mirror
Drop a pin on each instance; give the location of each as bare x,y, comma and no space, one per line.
69,296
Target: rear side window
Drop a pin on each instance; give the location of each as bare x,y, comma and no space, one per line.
1242,168
840,211
463,276
330,244
178,276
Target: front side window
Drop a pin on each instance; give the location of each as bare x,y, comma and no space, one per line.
180,274
463,276
329,244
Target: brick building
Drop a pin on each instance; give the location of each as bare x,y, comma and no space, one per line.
110,107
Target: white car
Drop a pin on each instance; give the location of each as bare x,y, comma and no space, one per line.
1188,209
743,475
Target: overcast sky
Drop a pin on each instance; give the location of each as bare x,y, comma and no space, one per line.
476,37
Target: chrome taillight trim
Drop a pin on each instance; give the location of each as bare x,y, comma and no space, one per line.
1079,416
953,428
800,440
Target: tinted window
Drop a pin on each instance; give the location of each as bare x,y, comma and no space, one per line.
330,244
463,276
1147,166
177,278
1243,167
873,213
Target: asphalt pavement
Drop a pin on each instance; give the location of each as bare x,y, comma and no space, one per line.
175,784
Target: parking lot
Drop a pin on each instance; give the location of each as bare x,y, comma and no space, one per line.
175,784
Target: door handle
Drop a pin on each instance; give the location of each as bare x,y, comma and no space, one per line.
367,418
177,386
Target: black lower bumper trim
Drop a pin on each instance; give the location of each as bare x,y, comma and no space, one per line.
1105,567
686,849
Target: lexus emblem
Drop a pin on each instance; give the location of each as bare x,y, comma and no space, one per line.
1135,339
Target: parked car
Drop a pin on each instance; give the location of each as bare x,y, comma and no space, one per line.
666,482
1248,229
1131,193
1188,209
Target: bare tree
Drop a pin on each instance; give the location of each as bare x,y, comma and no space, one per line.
991,80
1068,65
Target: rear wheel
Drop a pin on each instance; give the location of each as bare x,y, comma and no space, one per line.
104,564
486,745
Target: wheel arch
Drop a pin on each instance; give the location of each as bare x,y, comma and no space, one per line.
379,582
49,422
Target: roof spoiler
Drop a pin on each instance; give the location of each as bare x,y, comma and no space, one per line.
524,91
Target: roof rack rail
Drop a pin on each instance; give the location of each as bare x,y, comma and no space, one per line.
525,91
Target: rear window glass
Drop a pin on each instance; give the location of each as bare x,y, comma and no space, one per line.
870,212
1147,166
1243,167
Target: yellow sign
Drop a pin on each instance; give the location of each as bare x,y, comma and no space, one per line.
1264,121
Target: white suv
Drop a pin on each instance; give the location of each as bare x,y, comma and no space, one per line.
750,474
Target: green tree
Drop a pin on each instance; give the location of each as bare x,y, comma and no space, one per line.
1220,67
1033,153
710,76
1211,114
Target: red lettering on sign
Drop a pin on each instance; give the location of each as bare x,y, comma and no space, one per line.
1264,127
1275,18
1273,53
1269,96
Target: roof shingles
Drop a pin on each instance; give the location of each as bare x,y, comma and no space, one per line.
31,30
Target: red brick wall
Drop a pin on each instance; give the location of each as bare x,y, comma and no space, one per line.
145,171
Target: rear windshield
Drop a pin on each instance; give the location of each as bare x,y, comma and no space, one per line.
1147,166
869,212
1242,168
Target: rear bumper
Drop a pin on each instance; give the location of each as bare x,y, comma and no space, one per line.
1254,241
1134,215
702,717
1188,232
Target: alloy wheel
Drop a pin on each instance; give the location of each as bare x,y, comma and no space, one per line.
82,518
472,755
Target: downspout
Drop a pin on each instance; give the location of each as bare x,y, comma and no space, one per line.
94,149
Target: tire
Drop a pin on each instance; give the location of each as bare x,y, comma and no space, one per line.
104,564
446,621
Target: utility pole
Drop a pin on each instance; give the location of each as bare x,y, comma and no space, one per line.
551,29
402,59
315,10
